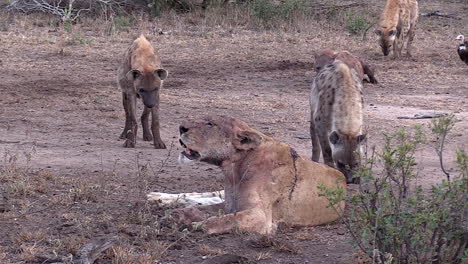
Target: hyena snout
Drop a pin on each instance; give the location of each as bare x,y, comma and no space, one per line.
346,154
385,51
149,98
348,169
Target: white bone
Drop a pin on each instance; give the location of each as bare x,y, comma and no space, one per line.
187,199
183,160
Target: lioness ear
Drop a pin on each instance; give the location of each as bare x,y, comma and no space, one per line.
245,140
162,73
334,137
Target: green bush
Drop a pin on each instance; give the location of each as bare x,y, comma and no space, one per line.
264,9
394,220
267,10
356,23
157,7
122,23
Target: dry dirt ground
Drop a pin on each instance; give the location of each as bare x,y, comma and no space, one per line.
67,178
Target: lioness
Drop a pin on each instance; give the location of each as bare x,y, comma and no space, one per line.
265,181
141,75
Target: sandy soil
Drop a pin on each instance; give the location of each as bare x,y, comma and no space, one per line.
61,116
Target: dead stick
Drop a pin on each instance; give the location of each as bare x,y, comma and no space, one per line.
91,250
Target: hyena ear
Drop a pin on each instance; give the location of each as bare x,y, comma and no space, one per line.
161,73
246,140
132,74
361,138
334,138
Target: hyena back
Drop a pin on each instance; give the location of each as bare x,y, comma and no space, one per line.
337,117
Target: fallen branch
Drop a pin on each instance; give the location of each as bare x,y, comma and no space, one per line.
91,250
439,14
423,116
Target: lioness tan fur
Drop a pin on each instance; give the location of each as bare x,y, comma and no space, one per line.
328,56
397,24
140,75
266,182
337,117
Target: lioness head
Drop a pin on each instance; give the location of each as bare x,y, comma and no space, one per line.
215,139
346,152
386,38
147,84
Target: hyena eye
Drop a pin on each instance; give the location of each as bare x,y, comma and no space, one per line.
210,124
136,74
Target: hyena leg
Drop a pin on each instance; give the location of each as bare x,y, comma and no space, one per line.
409,45
314,138
132,132
396,49
157,141
127,117
145,124
326,149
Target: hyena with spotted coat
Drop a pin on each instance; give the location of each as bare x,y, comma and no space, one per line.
397,24
336,105
140,75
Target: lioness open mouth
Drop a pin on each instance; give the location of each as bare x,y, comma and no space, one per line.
188,153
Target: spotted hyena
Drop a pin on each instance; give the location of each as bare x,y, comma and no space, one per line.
140,75
363,68
397,24
337,117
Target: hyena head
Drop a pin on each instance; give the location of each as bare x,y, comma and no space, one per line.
346,153
147,84
386,37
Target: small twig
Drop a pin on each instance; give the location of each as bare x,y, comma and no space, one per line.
27,213
440,153
365,32
163,164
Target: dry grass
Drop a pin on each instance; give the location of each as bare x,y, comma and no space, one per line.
149,253
207,250
275,244
263,256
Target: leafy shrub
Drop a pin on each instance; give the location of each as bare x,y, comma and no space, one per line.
159,6
394,220
264,9
267,10
122,23
356,23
